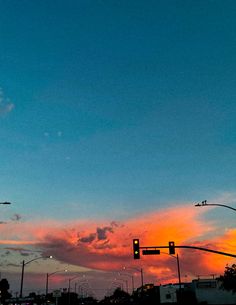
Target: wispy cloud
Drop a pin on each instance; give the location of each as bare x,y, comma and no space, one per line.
6,105
16,217
228,198
12,265
17,249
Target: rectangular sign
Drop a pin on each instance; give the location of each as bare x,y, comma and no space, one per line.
151,252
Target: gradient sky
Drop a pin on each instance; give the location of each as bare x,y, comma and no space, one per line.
116,117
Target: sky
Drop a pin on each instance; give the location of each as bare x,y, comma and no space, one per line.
116,118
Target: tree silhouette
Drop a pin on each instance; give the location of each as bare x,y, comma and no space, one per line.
4,286
120,294
229,278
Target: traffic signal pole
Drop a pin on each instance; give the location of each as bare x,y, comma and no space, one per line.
177,257
149,250
191,247
152,250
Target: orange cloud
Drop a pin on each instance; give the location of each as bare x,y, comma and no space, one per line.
107,245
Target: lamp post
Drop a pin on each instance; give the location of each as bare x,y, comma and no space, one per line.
75,289
113,286
178,266
23,269
132,278
180,291
118,283
140,270
85,289
124,281
80,281
204,203
71,279
126,284
50,274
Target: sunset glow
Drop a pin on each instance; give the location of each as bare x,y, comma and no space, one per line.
107,246
117,121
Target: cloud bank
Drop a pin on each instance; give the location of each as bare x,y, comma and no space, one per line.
107,245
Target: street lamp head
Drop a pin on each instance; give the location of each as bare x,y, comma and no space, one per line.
204,202
58,271
5,202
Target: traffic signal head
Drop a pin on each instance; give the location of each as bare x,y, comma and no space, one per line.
171,247
136,250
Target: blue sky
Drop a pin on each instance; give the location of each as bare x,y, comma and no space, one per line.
116,104
111,109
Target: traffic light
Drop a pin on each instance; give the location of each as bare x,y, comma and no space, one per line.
136,250
171,247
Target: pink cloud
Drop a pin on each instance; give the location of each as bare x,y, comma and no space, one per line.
107,245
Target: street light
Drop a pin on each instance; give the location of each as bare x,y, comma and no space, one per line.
139,270
23,269
85,289
71,279
178,267
86,286
132,278
204,203
118,283
75,289
5,202
48,275
126,283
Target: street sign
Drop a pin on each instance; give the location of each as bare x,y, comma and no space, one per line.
151,252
